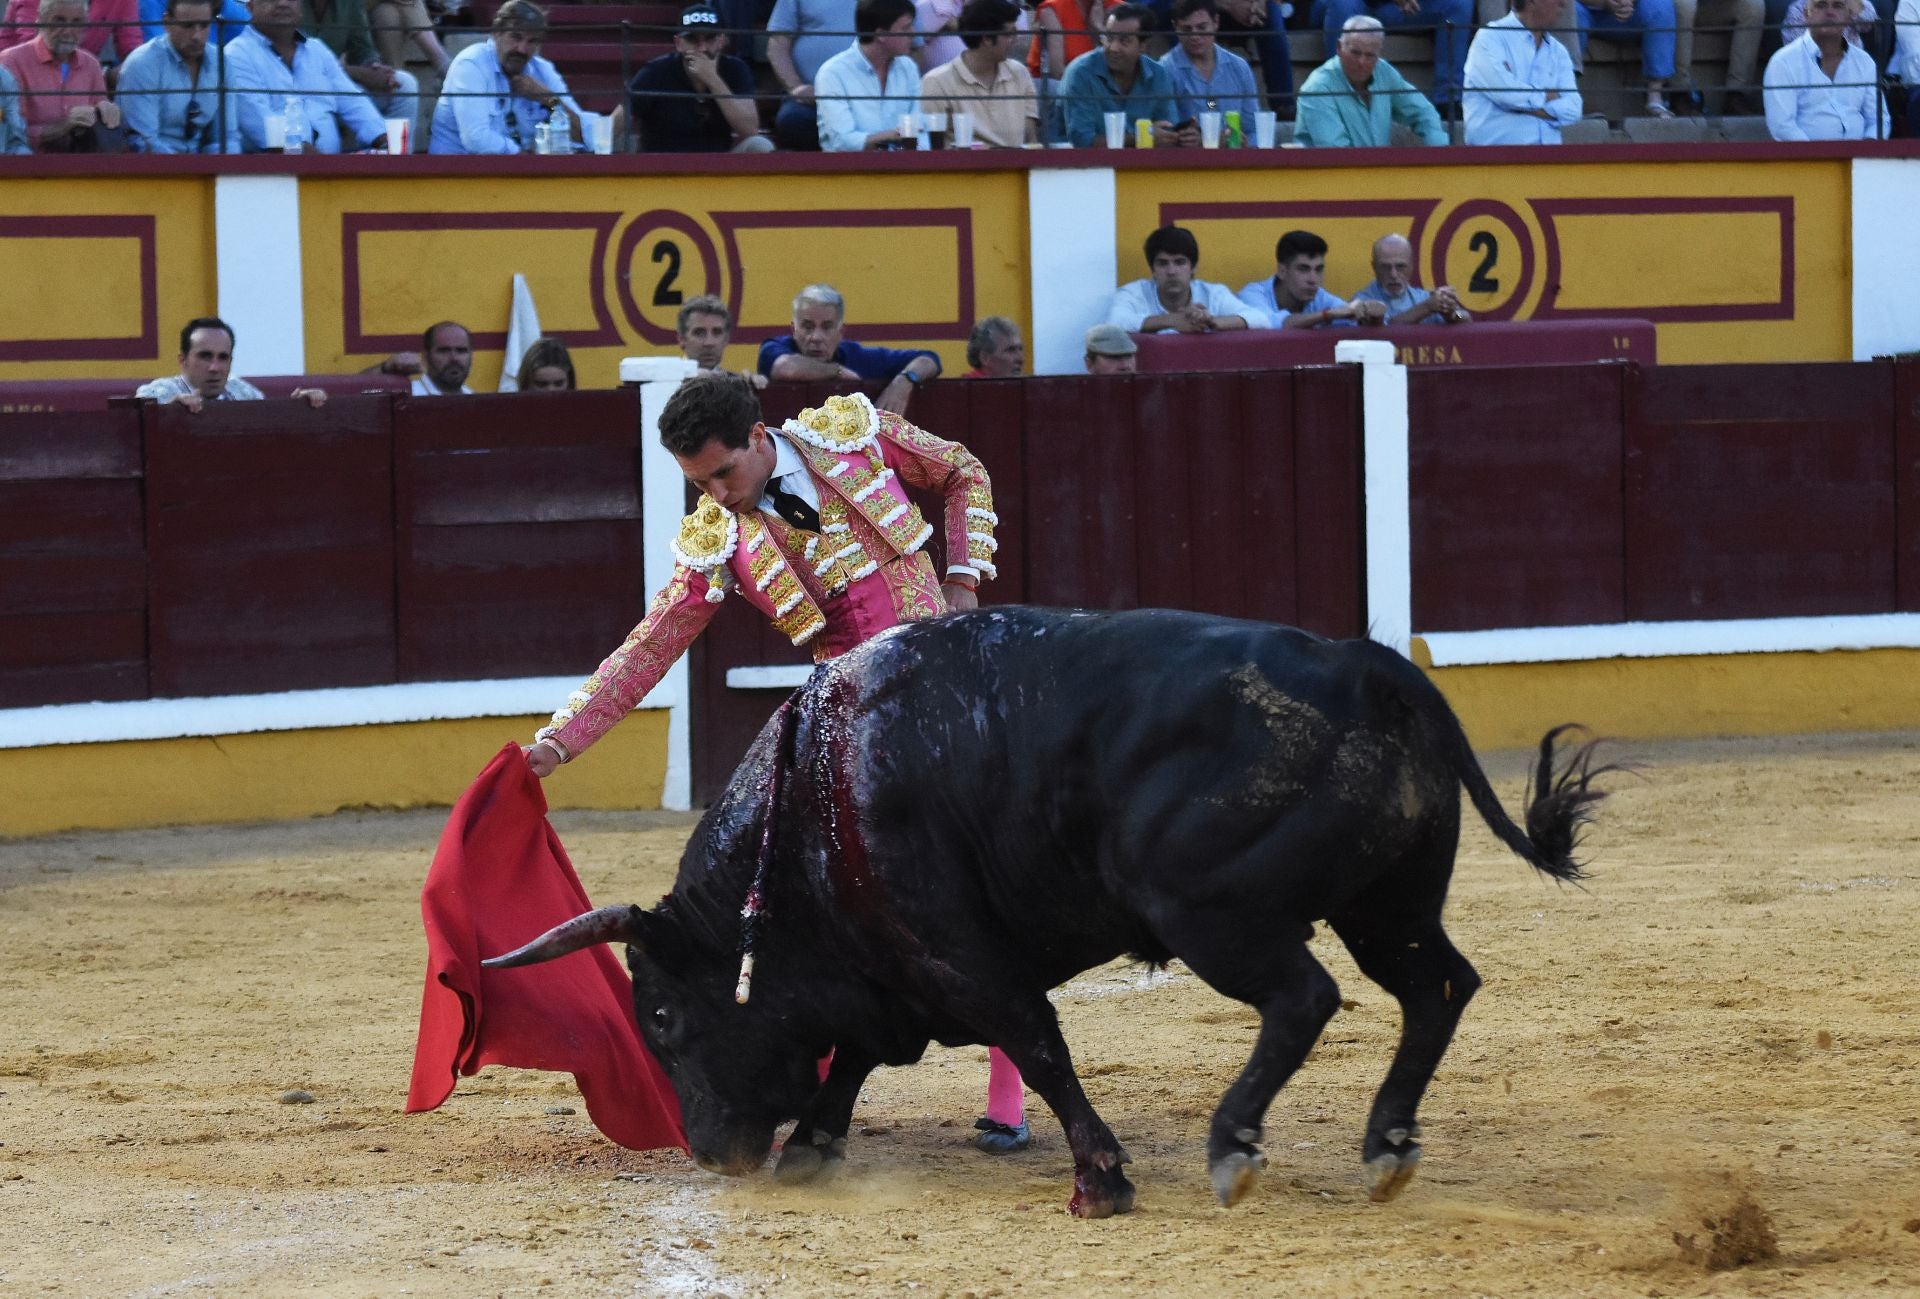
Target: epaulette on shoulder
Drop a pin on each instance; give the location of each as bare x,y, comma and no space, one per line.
840,424
707,536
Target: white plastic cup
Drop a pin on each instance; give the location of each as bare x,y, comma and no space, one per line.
1265,125
399,135
935,125
276,129
963,130
1116,130
602,136
1210,130
910,130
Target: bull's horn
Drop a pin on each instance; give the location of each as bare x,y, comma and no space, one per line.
607,925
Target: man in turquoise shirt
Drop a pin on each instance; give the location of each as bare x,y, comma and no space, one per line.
1118,77
1355,97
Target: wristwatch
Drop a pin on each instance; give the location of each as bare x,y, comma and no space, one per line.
911,377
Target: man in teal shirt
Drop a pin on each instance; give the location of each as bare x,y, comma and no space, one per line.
1355,97
1118,77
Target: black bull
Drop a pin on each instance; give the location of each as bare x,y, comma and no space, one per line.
968,812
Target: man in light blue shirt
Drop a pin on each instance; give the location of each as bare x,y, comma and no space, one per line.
1172,301
1206,77
496,92
1406,302
169,88
1118,77
230,21
801,36
1820,87
865,89
1296,296
272,62
1520,85
1354,99
13,127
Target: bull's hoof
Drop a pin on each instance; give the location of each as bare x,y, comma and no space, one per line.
1234,1174
1389,1172
804,1161
1101,1195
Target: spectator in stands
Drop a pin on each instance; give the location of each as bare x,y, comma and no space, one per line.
1859,32
863,91
1207,77
815,350
118,19
1296,296
398,22
1520,86
705,327
341,26
1263,23
1407,303
1451,19
206,371
1171,300
272,65
446,356
1818,87
1906,58
546,367
13,127
1120,78
698,99
230,18
63,92
1063,31
940,27
985,81
496,92
1355,97
801,36
995,349
1652,22
1742,19
169,88
1110,350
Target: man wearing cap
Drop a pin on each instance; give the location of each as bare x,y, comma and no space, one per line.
1110,350
496,92
698,99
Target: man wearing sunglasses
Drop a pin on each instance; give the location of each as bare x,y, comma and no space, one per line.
169,88
498,91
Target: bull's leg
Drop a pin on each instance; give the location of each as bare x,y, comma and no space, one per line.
819,1140
1038,1050
1296,1000
1415,961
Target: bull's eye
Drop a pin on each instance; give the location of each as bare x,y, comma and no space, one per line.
659,1016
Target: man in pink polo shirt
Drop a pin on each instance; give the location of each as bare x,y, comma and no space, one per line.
62,90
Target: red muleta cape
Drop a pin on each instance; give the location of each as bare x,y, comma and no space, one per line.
499,879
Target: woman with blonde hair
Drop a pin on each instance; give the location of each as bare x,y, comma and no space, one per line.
547,367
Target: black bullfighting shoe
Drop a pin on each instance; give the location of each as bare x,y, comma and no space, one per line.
1000,1138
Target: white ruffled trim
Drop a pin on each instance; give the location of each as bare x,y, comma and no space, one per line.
918,541
840,467
985,539
893,515
867,440
836,527
774,570
862,571
708,562
810,632
787,606
880,480
813,544
825,566
975,512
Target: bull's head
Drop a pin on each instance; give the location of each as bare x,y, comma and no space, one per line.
739,1071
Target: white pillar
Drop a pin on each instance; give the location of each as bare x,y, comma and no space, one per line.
256,250
663,503
1886,274
1072,277
1383,414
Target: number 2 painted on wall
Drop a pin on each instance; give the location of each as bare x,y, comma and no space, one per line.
1481,282
664,294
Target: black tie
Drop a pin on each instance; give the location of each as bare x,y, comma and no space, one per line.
794,509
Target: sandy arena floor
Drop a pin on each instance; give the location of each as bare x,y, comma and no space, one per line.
1718,1041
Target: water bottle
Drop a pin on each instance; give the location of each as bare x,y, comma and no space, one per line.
298,136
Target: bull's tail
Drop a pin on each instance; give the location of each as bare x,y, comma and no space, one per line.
1560,802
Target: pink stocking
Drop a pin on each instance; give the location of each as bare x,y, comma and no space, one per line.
1006,1096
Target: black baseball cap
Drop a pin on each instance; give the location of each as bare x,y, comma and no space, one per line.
699,18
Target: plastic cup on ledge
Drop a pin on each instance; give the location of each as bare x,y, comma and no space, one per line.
963,130
1210,130
399,135
599,132
276,131
936,124
1116,130
910,130
1265,127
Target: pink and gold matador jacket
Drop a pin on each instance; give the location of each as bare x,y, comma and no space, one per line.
863,572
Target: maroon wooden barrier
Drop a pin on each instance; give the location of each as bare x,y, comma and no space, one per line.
270,545
1760,492
1532,342
1516,499
23,395
1906,447
73,568
518,532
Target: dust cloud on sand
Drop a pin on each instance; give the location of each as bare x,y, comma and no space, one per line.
1698,1076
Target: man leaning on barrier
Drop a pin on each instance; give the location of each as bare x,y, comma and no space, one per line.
206,371
1355,97
170,88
